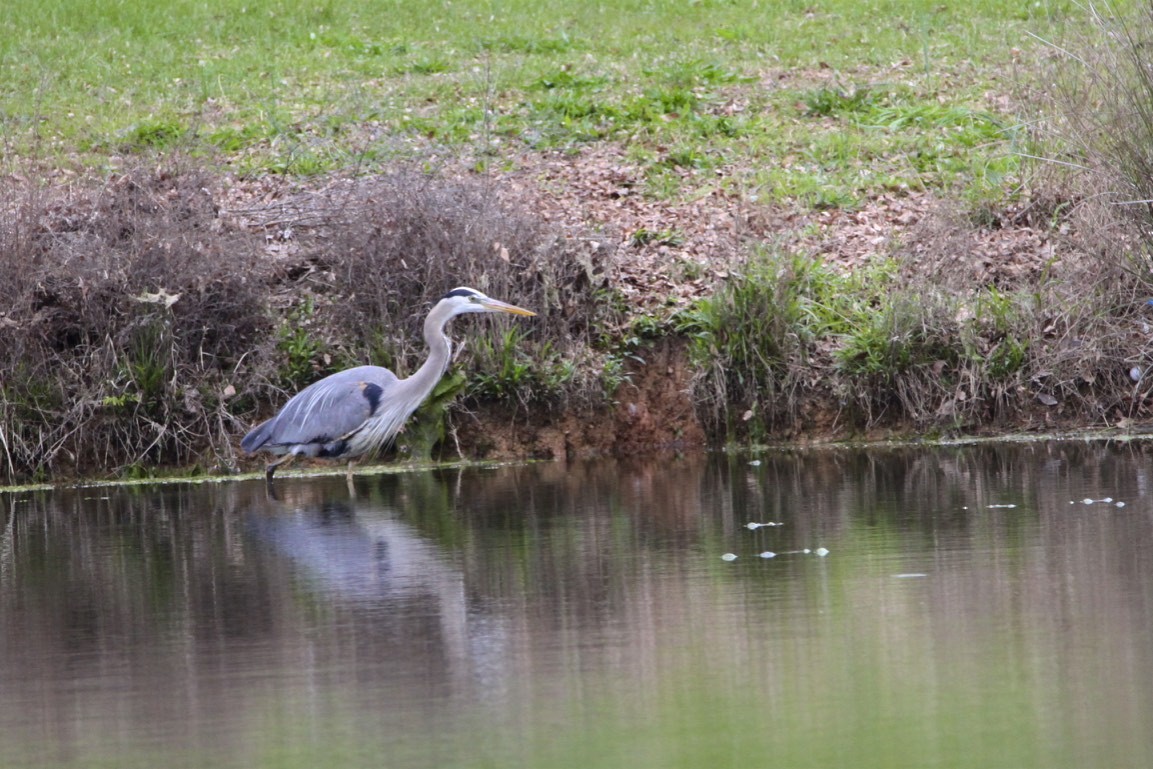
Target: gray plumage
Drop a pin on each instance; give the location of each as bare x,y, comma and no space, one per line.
360,410
321,418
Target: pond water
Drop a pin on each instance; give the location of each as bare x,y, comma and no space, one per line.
983,606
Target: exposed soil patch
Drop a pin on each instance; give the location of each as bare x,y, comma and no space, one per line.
652,411
666,251
929,237
598,190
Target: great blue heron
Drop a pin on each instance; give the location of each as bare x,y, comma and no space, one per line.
359,411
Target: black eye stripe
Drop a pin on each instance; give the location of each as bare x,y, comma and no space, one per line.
461,292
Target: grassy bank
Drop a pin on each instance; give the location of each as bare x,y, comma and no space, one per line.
752,90
210,205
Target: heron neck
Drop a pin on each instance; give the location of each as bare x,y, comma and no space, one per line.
422,382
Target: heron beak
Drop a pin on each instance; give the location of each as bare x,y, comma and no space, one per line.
495,305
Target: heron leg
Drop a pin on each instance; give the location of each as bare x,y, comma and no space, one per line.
348,477
270,468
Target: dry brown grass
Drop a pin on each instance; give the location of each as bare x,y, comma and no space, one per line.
129,310
1093,181
144,327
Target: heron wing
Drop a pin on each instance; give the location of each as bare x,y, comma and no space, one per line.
325,411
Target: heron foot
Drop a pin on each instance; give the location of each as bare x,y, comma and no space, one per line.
270,468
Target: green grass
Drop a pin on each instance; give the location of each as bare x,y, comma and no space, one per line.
510,366
788,323
823,104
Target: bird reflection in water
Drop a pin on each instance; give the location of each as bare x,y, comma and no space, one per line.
383,579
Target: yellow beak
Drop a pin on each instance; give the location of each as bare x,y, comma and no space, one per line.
495,305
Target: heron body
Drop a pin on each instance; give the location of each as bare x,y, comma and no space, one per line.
360,410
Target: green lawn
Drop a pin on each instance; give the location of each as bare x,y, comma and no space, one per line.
822,102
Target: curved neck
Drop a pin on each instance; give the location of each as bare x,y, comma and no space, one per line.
421,383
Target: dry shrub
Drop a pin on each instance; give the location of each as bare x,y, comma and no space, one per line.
1049,333
144,328
1096,185
413,237
129,310
1095,141
379,252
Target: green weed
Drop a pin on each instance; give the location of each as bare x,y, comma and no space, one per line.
29,397
300,352
834,102
567,79
752,338
429,425
902,333
154,134
147,365
614,373
525,44
644,237
424,65
231,139
511,367
872,341
1004,328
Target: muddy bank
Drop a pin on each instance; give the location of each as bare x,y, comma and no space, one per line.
652,411
656,413
155,315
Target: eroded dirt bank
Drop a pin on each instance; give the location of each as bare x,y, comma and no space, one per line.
653,411
153,316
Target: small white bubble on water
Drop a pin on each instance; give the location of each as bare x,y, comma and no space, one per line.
1086,501
755,463
768,554
821,552
729,557
1120,504
752,525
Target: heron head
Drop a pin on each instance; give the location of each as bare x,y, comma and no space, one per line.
464,299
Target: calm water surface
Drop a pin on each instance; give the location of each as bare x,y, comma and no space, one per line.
984,606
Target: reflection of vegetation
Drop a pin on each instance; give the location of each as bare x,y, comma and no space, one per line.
609,575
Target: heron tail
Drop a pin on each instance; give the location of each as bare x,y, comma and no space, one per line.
256,437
